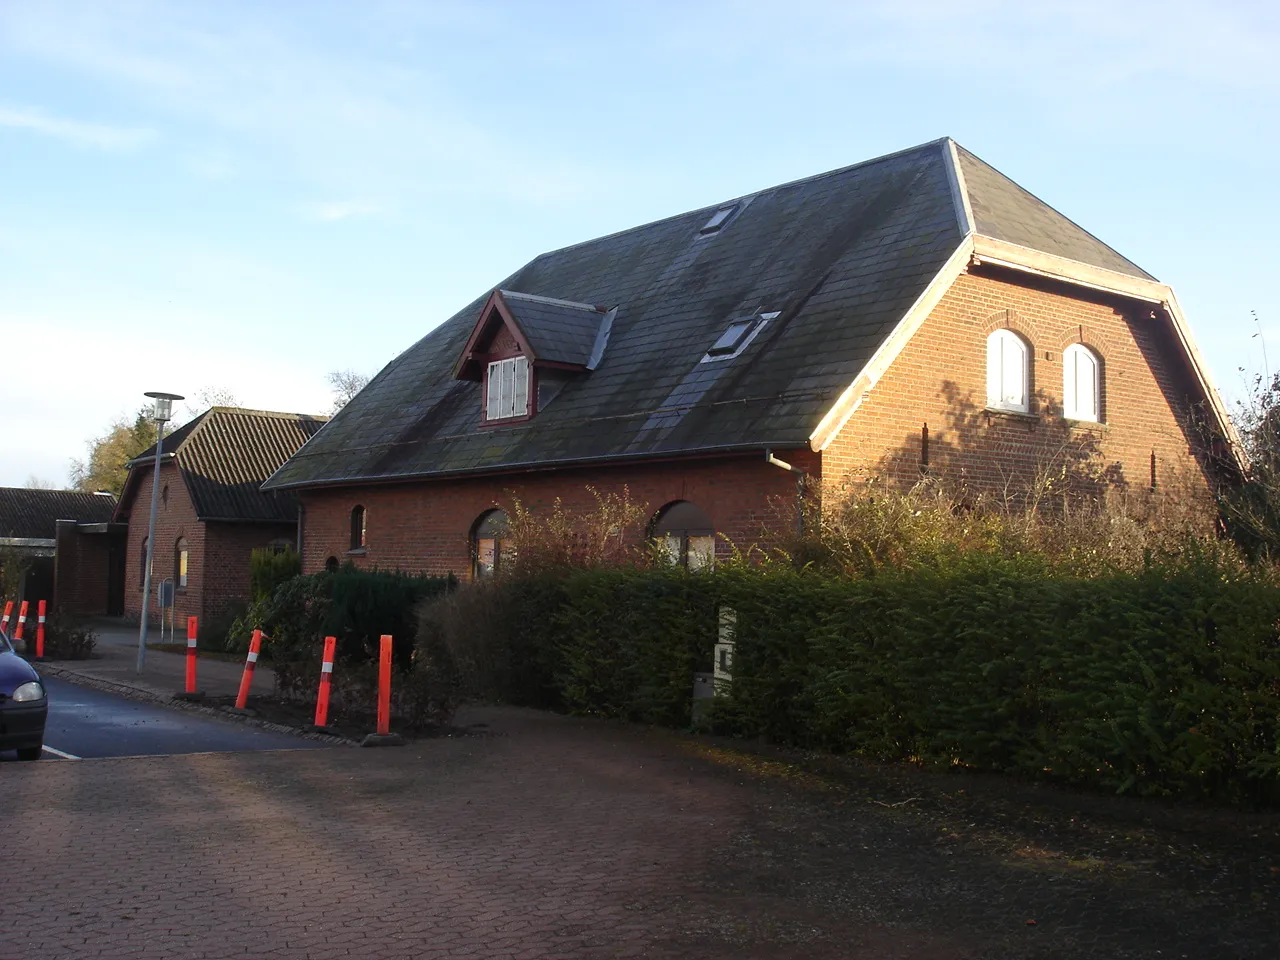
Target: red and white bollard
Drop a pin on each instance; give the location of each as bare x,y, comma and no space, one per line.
326,673
189,691
251,661
22,620
8,615
40,612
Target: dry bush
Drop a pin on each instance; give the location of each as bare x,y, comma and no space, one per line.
609,534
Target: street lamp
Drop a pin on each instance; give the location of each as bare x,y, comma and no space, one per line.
161,414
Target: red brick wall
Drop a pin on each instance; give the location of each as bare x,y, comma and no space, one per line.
939,379
218,553
426,526
176,517
225,575
81,570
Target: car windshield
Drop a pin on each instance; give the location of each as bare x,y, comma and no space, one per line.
4,642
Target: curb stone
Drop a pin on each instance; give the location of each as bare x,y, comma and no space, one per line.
167,700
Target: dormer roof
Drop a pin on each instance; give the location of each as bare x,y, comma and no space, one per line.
550,332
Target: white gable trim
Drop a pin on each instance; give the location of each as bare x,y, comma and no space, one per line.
838,415
1011,255
959,190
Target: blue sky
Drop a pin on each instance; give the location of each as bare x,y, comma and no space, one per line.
244,196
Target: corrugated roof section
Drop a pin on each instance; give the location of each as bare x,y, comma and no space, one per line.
33,514
227,452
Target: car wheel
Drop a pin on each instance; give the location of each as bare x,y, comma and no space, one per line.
30,753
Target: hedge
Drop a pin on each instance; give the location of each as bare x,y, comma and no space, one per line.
1160,682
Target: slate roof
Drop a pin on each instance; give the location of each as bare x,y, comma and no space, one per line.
33,514
226,453
841,257
556,329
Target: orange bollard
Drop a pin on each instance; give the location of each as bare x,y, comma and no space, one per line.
384,688
192,632
41,608
255,645
22,620
326,672
8,614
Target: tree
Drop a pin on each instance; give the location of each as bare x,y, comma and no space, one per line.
104,468
345,384
205,398
1251,507
39,483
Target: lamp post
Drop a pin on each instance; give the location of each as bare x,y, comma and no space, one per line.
161,414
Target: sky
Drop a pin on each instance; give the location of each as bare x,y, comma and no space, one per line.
240,197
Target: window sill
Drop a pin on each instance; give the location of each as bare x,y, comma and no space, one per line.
1012,414
357,552
1077,424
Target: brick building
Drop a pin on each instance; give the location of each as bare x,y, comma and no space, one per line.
71,554
212,513
917,313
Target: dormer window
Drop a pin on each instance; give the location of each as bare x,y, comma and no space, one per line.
507,389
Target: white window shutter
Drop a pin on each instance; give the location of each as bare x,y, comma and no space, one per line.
494,400
1080,381
1015,372
521,368
995,379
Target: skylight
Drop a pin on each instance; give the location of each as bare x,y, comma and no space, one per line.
718,219
732,337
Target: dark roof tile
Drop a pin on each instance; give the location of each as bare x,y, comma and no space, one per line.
33,514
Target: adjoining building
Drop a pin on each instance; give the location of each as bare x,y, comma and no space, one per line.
917,314
212,511
70,552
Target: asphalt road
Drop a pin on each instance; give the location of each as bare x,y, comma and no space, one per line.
86,723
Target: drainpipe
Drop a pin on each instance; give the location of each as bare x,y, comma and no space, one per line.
800,479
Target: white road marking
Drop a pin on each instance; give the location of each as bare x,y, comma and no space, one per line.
59,753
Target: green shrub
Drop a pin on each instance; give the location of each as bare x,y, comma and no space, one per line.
357,607
269,568
65,638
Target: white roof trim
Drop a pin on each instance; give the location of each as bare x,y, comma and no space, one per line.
838,415
1011,255
959,190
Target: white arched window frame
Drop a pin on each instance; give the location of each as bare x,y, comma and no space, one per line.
1081,384
1008,366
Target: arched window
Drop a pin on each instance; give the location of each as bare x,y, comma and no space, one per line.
1008,369
489,545
331,565
357,528
142,564
1081,383
180,560
684,535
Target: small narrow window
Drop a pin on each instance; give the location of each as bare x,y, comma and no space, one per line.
358,516
1080,383
142,564
331,565
1007,372
180,561
507,389
719,219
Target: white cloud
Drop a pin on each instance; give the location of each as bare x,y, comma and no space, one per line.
76,132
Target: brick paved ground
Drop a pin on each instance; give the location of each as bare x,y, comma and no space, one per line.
552,837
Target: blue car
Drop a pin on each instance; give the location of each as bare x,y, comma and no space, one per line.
24,706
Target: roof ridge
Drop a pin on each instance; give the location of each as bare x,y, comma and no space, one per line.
715,206
594,308
278,414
